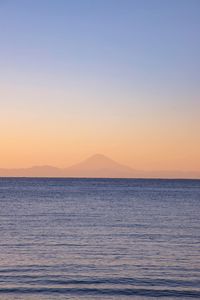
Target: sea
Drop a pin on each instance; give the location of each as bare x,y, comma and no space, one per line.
70,238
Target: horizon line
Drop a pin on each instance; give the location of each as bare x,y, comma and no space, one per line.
94,178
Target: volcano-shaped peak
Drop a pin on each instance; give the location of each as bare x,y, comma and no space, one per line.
98,157
98,161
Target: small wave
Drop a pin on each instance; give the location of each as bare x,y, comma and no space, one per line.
104,292
62,280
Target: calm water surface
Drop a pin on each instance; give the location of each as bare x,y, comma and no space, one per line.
99,239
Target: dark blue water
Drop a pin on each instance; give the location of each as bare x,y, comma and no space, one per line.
99,239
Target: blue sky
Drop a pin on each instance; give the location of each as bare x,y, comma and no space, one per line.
146,41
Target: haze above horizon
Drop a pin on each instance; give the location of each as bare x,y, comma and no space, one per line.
114,77
96,166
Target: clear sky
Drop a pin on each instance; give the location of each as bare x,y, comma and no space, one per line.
118,77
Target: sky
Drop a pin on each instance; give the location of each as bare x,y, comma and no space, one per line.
117,77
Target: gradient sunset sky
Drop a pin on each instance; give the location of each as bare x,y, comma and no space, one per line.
118,77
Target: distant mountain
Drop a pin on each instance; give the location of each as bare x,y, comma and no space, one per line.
100,165
35,171
97,166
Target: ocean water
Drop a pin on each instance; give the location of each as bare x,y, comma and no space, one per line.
99,239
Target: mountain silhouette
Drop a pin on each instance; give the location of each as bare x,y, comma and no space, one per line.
35,171
99,165
95,166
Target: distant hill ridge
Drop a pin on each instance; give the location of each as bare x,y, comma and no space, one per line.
99,166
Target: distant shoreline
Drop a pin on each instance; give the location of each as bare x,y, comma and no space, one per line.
100,178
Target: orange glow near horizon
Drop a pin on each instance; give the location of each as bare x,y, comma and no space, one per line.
74,81
48,137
